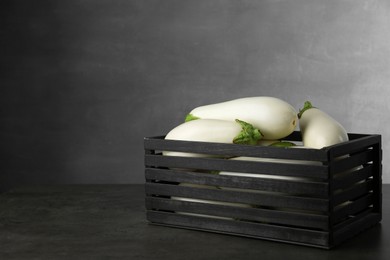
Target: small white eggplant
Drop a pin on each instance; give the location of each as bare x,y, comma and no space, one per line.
318,129
275,117
215,131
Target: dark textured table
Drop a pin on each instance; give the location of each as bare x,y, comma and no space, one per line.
108,222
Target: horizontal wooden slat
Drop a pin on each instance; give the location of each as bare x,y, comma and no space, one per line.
248,214
157,143
353,177
356,227
259,199
352,208
343,226
353,161
257,230
297,170
356,191
317,189
356,143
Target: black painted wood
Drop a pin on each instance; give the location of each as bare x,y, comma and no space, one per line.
301,236
309,187
338,197
266,199
219,164
248,214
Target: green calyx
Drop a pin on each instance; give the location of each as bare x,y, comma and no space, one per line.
248,134
191,117
282,144
306,106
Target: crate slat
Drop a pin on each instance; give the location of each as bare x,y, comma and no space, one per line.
246,214
353,177
356,227
259,199
257,230
353,208
355,160
356,143
317,189
354,192
296,170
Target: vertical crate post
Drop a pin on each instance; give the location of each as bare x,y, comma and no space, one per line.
330,163
377,177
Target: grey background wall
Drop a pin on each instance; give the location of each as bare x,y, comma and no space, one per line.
82,82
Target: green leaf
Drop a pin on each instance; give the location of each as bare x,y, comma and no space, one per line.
248,134
282,144
191,117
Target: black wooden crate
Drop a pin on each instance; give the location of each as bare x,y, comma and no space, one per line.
330,201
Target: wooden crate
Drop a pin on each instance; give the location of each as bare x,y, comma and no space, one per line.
323,204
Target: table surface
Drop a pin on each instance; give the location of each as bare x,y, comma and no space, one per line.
108,222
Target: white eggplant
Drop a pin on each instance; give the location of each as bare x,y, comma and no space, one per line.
215,131
274,117
319,129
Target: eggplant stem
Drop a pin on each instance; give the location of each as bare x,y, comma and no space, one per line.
306,106
190,117
248,135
